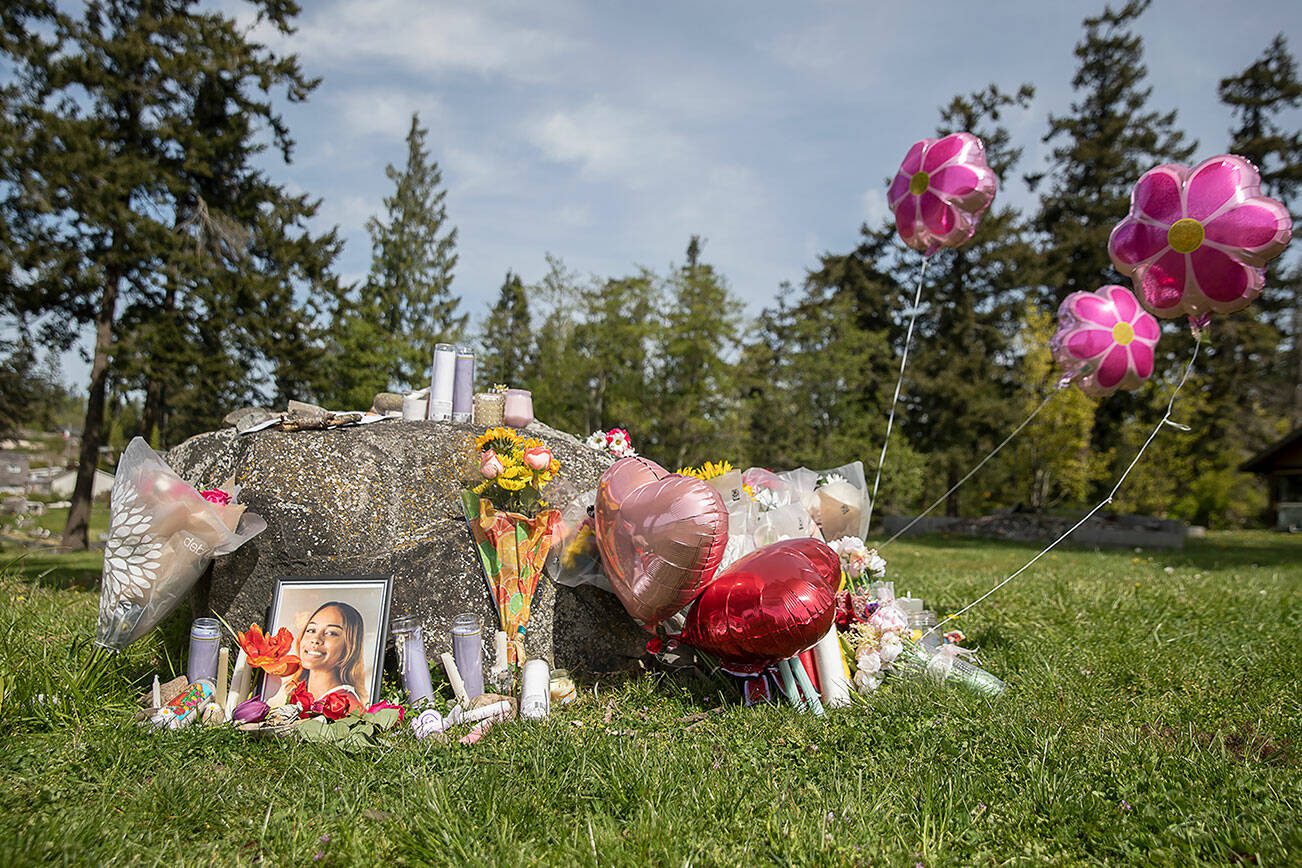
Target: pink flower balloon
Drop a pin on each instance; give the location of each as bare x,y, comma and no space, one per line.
1105,340
1196,240
941,192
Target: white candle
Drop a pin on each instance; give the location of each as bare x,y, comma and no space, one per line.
239,688
223,671
831,671
441,383
454,678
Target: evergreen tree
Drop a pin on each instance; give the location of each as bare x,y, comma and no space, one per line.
105,145
613,344
507,337
1101,147
561,372
1260,97
695,375
957,390
1050,462
817,373
387,329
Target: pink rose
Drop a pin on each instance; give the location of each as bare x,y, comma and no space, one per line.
490,465
538,457
216,495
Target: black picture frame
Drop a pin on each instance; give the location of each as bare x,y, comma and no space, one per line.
295,595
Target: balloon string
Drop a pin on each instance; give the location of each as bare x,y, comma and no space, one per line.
1165,420
899,533
890,420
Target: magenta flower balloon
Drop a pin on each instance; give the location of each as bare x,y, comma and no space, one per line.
1105,340
1196,240
941,192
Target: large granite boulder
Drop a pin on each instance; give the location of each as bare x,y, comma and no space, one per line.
383,499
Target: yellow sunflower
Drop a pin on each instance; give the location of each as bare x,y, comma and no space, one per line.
500,440
514,478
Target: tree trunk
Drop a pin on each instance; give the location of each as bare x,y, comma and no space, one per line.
951,502
76,535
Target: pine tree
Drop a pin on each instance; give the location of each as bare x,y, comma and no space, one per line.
958,387
506,344
1101,147
1050,462
818,370
560,371
614,343
694,383
1260,97
106,150
408,294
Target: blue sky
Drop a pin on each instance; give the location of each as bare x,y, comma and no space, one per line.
607,133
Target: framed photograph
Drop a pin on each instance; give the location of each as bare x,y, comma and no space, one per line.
340,626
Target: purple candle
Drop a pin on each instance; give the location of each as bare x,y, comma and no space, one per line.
205,645
410,642
463,385
468,652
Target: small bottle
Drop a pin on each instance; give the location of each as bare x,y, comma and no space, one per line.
205,645
409,640
468,652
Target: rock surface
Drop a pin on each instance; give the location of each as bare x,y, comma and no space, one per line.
383,499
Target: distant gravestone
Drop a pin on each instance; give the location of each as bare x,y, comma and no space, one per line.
383,499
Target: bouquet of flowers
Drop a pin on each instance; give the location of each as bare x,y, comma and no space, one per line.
512,526
162,536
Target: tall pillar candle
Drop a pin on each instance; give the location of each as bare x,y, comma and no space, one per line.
463,385
468,652
441,383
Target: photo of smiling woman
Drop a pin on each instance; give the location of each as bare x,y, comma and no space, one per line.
339,629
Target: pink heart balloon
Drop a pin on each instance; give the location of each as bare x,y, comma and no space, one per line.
769,606
661,537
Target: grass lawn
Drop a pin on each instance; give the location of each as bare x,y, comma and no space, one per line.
1152,718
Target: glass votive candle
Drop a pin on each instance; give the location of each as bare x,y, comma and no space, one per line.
409,639
205,645
518,411
489,409
468,652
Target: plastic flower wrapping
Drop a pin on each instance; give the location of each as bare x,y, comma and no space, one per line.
512,526
162,536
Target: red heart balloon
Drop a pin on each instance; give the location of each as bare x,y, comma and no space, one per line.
661,536
768,606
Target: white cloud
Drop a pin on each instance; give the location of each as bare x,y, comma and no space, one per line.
606,141
875,208
382,112
435,37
